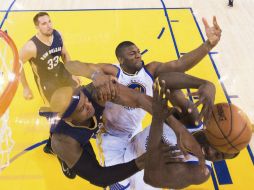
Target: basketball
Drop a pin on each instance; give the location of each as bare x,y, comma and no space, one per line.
229,129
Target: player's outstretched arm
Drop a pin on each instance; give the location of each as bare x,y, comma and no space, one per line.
89,70
206,90
192,58
163,161
27,52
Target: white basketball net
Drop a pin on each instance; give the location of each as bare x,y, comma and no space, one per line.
6,141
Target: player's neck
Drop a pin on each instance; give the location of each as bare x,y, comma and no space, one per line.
127,70
45,39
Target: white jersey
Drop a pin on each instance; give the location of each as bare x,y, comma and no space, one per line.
124,121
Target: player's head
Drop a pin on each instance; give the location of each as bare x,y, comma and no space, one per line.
71,104
211,153
129,56
43,23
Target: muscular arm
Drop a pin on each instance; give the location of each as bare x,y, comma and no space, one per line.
87,69
168,175
25,54
65,55
178,98
132,98
92,171
183,64
177,81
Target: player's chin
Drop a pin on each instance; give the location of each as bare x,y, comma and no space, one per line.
139,65
49,33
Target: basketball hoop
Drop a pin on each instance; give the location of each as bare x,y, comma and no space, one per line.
9,71
9,80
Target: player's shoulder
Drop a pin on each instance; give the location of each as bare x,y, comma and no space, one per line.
29,46
28,50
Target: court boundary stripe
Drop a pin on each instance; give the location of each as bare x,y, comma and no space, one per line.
7,13
162,32
36,145
76,10
224,89
215,184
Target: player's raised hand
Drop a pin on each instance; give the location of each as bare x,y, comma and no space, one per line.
27,93
160,99
213,33
206,95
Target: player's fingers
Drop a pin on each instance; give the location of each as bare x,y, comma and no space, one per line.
162,90
112,90
108,90
203,112
113,79
181,147
167,147
169,160
99,94
215,23
172,153
205,23
197,103
167,94
155,91
193,93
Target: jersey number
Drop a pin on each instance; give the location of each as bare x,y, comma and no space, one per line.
53,62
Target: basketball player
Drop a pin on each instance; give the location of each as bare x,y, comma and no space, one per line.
45,51
159,172
81,116
231,3
122,123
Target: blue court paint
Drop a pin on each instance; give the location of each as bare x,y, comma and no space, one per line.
195,97
213,52
170,28
162,31
6,14
143,52
215,184
251,154
36,145
233,96
222,173
73,10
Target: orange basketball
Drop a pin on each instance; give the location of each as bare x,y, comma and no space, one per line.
229,129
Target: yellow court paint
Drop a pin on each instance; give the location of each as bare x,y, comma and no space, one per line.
92,36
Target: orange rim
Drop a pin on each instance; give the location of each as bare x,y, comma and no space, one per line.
10,90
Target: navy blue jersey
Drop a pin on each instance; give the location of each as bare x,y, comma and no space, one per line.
49,71
81,134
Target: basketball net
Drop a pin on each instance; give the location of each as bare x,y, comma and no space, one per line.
6,141
9,79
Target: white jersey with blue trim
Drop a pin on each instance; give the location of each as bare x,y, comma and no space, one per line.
121,120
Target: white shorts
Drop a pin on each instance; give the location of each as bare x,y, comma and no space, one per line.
118,150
